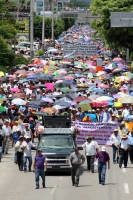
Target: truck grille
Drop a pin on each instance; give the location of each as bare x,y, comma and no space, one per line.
56,159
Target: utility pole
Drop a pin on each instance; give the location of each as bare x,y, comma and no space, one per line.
43,25
52,19
31,29
18,10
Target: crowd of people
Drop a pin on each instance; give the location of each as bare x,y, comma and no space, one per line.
74,88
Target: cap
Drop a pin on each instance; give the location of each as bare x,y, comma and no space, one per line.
103,148
89,138
20,136
124,136
116,130
39,150
18,129
27,137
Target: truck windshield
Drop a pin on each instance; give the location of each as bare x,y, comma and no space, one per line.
56,142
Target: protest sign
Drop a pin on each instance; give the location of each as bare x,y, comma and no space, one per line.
101,131
86,49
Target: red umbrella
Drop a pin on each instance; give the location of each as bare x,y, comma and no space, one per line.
99,104
79,99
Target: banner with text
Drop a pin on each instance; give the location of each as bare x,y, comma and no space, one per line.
101,131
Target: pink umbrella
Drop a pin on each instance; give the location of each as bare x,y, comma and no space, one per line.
39,70
21,72
59,81
15,89
62,71
49,86
117,59
68,77
103,86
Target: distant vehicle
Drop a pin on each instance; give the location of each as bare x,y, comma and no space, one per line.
26,46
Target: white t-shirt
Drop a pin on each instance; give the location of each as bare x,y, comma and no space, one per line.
27,150
7,130
90,148
124,143
115,140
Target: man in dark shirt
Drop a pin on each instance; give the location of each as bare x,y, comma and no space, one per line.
103,158
39,165
1,142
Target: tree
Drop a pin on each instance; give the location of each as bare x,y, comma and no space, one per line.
115,37
60,25
8,30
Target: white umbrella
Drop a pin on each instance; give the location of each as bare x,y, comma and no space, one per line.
58,107
126,99
104,98
18,101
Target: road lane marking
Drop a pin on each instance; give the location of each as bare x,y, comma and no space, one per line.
53,190
60,177
126,188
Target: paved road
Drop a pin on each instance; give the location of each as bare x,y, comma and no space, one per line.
16,185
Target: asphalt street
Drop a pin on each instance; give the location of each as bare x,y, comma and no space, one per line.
16,185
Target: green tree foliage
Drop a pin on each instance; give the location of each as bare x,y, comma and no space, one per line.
8,30
115,37
60,25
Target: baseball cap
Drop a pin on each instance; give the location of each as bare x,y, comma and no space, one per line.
103,148
39,150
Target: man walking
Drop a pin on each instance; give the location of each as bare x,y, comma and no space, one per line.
76,160
39,165
115,141
103,158
130,137
123,149
7,134
91,149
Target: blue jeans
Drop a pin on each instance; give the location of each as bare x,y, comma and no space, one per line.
114,152
39,172
1,152
102,171
25,158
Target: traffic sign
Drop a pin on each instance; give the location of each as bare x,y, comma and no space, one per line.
40,4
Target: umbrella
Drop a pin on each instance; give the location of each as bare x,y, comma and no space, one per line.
61,85
2,109
47,99
33,105
14,89
63,103
103,86
18,101
19,95
49,110
45,77
68,77
126,99
97,90
117,59
79,99
85,102
104,98
122,78
38,102
58,107
113,90
66,90
32,77
98,104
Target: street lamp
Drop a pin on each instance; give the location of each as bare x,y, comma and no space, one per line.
31,29
43,25
52,19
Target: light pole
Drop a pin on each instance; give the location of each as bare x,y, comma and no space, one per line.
43,25
52,19
31,29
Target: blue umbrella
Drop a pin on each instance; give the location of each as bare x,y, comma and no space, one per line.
32,77
131,94
34,106
97,90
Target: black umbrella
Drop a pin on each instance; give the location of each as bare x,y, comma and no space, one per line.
62,103
61,85
45,78
113,90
